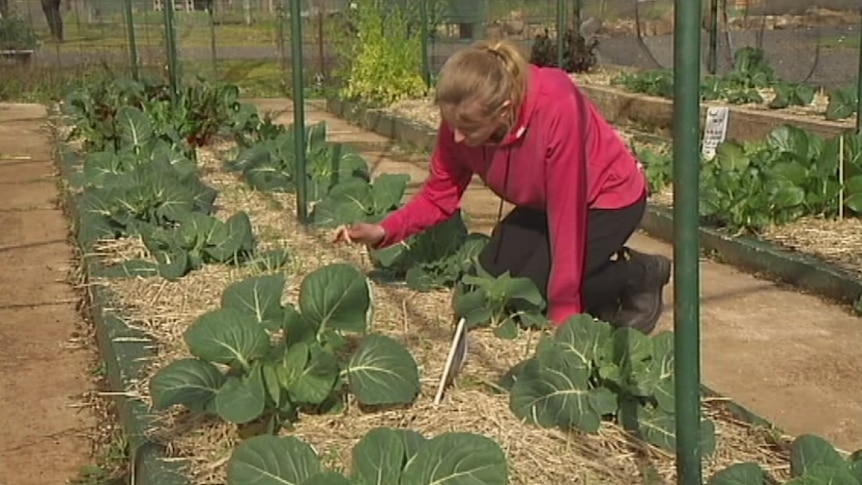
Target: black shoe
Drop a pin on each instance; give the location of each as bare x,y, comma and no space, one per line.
642,303
607,314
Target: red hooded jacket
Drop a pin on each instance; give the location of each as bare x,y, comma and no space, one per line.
541,164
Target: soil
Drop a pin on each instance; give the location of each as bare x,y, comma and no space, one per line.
45,383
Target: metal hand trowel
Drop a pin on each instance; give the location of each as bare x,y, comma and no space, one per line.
455,360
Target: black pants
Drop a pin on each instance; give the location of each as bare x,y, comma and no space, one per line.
520,244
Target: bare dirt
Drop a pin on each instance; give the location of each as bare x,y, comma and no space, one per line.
770,348
44,380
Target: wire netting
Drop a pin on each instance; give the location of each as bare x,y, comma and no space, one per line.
248,42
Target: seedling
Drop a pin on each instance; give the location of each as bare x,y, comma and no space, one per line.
504,303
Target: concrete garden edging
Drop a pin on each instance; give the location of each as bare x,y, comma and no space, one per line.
744,124
803,271
123,349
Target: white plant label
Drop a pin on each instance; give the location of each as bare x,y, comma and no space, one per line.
454,361
714,130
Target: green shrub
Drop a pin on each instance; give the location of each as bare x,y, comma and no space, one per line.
385,65
17,34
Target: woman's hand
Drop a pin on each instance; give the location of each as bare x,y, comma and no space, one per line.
362,233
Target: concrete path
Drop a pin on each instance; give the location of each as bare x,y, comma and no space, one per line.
789,357
43,356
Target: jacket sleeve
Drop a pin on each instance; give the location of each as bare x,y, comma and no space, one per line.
438,199
566,205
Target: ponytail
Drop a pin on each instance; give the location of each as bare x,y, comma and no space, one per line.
487,74
514,63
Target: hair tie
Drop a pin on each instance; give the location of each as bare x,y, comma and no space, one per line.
496,53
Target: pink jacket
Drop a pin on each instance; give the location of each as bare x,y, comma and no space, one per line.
539,165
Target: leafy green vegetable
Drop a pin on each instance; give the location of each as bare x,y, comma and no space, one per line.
843,103
270,164
281,359
789,94
739,474
791,174
357,200
437,258
199,239
504,302
813,460
384,456
589,371
750,75
103,113
657,166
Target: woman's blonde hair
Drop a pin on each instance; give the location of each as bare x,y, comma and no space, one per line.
478,80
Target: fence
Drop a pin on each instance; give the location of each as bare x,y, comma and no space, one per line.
248,41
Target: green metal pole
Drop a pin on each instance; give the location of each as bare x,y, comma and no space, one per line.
133,45
171,46
561,21
423,16
282,18
211,11
298,110
713,36
686,281
859,80
576,16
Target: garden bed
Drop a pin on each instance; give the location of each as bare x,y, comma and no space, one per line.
748,120
536,455
188,285
816,254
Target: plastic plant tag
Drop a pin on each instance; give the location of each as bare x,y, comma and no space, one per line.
455,360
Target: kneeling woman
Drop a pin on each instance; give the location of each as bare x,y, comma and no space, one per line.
579,193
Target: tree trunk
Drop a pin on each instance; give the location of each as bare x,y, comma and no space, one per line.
4,8
51,8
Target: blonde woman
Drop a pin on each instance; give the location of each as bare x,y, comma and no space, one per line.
579,193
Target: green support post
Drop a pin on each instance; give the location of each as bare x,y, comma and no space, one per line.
561,29
130,30
298,110
423,16
859,80
713,37
171,47
686,281
211,15
576,16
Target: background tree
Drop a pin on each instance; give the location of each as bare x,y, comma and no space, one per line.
55,20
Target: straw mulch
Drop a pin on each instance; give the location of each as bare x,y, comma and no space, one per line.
537,456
